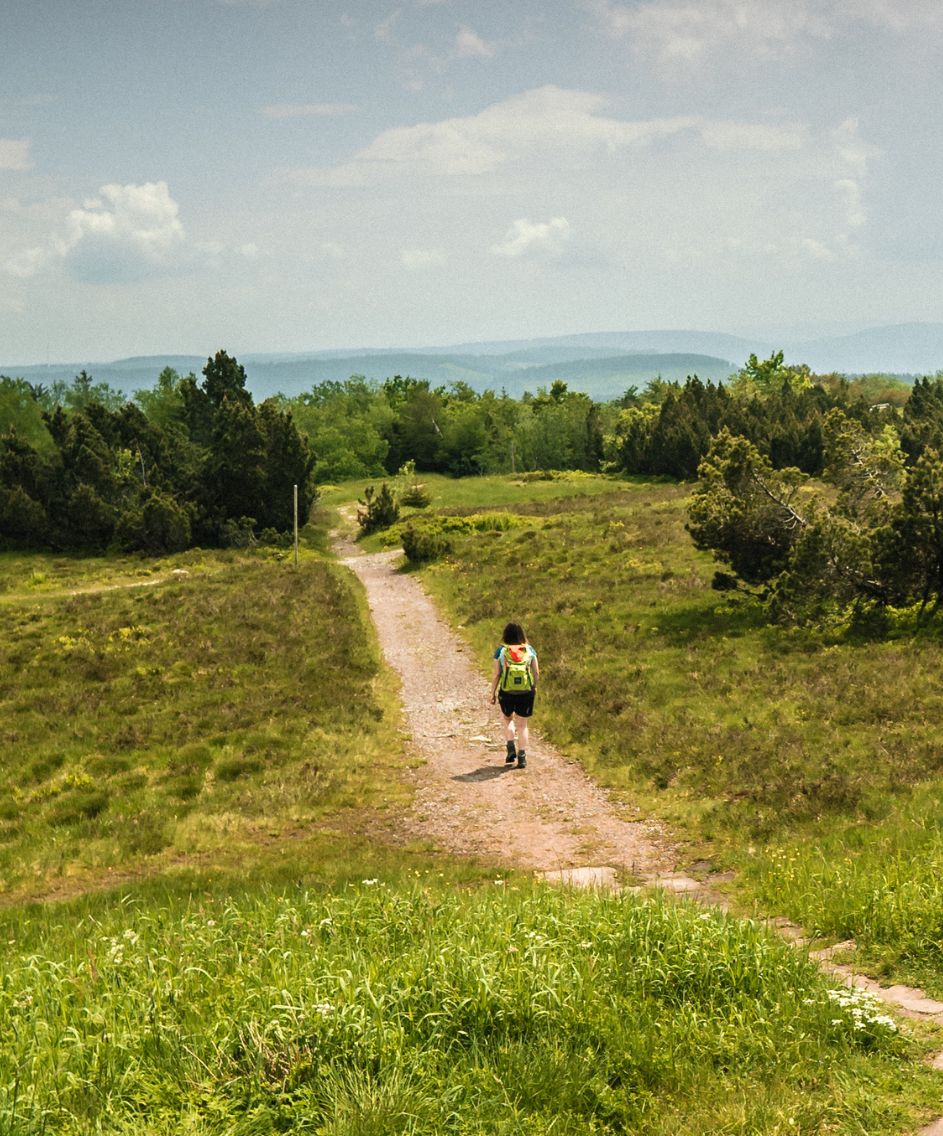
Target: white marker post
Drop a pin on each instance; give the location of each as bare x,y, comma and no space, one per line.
296,524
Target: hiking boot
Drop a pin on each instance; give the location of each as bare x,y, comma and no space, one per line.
522,760
512,753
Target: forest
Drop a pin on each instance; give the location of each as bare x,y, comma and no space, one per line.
818,490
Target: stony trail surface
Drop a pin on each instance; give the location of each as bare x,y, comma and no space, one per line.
549,817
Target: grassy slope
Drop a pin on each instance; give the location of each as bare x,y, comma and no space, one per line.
203,720
232,739
811,762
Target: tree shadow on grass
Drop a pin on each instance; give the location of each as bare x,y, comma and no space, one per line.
682,625
736,618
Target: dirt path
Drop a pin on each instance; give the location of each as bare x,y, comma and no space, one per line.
549,817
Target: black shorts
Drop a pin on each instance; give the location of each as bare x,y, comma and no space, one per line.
520,704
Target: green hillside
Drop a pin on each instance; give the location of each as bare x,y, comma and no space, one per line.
203,775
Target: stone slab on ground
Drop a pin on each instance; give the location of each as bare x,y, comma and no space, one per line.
914,1001
680,884
602,878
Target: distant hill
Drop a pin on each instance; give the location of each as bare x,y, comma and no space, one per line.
598,372
603,377
603,364
610,343
903,348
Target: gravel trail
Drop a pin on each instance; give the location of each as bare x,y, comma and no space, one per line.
547,817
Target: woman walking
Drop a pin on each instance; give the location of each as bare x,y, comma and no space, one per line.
513,685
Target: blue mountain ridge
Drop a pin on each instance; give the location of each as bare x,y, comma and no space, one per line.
603,364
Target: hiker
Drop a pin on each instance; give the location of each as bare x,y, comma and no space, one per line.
513,685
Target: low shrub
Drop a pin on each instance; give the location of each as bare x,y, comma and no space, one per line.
422,544
232,768
379,509
416,496
425,539
83,804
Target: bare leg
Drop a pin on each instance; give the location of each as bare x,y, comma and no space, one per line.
523,734
509,731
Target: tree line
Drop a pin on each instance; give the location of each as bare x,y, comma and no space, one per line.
196,461
185,463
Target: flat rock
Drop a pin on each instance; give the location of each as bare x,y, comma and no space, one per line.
676,883
906,998
604,878
913,1000
826,953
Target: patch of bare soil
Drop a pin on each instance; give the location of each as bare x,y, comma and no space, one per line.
547,817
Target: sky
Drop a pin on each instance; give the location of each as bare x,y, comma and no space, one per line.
180,176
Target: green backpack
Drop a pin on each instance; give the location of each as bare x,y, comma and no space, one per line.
516,675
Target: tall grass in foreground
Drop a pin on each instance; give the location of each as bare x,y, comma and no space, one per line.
880,884
388,1009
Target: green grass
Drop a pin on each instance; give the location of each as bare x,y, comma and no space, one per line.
880,883
415,1008
750,739
492,491
205,773
208,716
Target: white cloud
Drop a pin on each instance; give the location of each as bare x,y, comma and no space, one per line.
423,48
850,195
816,249
787,249
470,45
679,31
418,259
384,30
334,250
564,123
307,110
687,30
28,262
525,238
127,233
893,15
130,232
15,155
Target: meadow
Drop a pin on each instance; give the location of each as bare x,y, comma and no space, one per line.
184,722
211,921
809,760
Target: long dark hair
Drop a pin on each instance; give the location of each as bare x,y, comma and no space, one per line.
513,635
